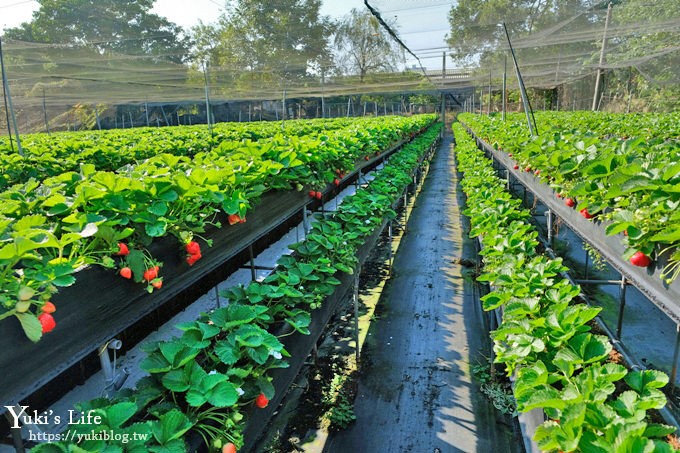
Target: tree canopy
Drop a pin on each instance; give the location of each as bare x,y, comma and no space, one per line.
123,26
363,46
264,42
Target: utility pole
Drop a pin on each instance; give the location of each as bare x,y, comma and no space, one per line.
602,50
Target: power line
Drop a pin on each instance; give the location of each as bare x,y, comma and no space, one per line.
394,36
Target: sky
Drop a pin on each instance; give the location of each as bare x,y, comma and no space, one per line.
422,24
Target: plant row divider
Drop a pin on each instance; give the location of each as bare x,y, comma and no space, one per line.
102,305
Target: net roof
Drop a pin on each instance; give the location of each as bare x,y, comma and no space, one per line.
557,44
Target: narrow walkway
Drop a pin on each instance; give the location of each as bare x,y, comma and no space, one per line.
416,392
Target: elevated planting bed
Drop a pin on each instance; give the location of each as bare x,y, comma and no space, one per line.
204,381
101,305
592,231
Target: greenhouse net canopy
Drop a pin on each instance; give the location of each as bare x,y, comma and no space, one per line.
116,52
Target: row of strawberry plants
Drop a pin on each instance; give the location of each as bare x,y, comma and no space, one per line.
633,184
205,380
50,229
545,339
50,155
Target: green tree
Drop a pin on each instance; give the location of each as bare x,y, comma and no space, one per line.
364,47
644,59
256,43
122,26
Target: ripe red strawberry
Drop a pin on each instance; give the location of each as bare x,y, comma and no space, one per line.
559,195
126,272
537,172
318,195
48,307
336,181
157,283
509,154
151,273
234,219
191,259
366,158
229,448
312,193
584,212
640,259
193,248
570,202
527,169
123,249
516,167
47,322
243,220
261,401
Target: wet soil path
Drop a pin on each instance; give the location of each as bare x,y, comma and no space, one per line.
416,392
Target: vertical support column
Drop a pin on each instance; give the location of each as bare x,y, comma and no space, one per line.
549,215
355,300
505,85
587,261
488,109
389,236
253,275
622,306
674,368
96,115
9,108
217,297
598,77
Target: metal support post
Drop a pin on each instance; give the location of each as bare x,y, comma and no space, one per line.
549,215
488,110
253,275
598,77
47,126
113,381
355,300
17,441
8,105
505,85
674,369
217,297
525,99
586,264
622,305
389,235
305,221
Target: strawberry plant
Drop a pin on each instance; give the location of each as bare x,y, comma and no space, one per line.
623,167
89,215
544,339
199,380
